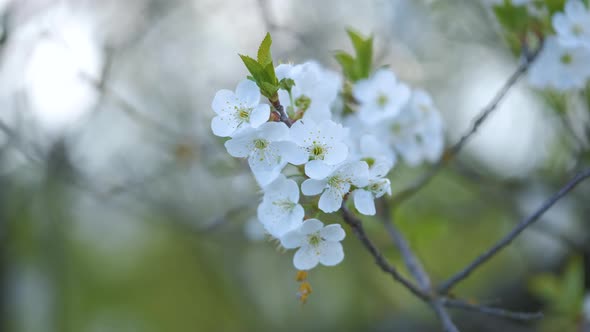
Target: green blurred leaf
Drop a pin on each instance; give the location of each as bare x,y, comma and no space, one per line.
563,294
287,84
347,63
513,18
364,53
554,6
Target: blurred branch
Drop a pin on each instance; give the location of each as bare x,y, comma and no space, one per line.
451,152
415,267
446,286
492,311
359,231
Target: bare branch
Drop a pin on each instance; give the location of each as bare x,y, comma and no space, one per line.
415,267
360,233
446,286
497,312
412,262
451,152
443,316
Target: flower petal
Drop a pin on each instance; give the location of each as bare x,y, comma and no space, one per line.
239,147
311,187
337,154
331,253
292,153
311,226
306,258
224,125
293,239
333,232
363,201
248,92
259,115
223,98
317,169
330,201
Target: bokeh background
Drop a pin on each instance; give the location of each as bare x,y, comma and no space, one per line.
120,211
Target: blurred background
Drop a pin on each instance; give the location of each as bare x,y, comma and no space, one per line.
120,211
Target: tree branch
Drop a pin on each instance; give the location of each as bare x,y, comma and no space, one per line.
446,286
415,267
497,312
360,233
451,152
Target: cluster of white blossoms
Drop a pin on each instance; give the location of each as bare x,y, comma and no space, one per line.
564,62
332,152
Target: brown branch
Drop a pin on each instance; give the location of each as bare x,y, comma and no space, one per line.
415,267
446,286
358,230
492,311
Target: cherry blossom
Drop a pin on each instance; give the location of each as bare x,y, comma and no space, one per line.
317,244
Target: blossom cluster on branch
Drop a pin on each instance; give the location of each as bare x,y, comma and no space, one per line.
327,136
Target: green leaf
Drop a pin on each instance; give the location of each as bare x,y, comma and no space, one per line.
554,6
287,84
267,89
253,66
364,53
513,18
264,56
347,62
269,74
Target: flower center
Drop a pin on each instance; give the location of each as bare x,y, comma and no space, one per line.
260,144
566,59
396,128
284,205
335,181
382,100
577,30
370,161
317,151
243,113
302,102
314,239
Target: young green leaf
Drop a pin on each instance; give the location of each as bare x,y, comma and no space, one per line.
286,84
253,66
364,53
264,56
347,62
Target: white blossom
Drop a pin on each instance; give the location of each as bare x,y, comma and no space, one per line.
238,110
380,97
337,184
560,67
314,92
280,210
417,133
364,198
267,148
573,25
316,243
376,154
320,143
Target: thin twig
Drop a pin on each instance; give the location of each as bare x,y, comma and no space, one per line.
451,152
415,267
446,286
412,262
492,311
360,233
443,315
